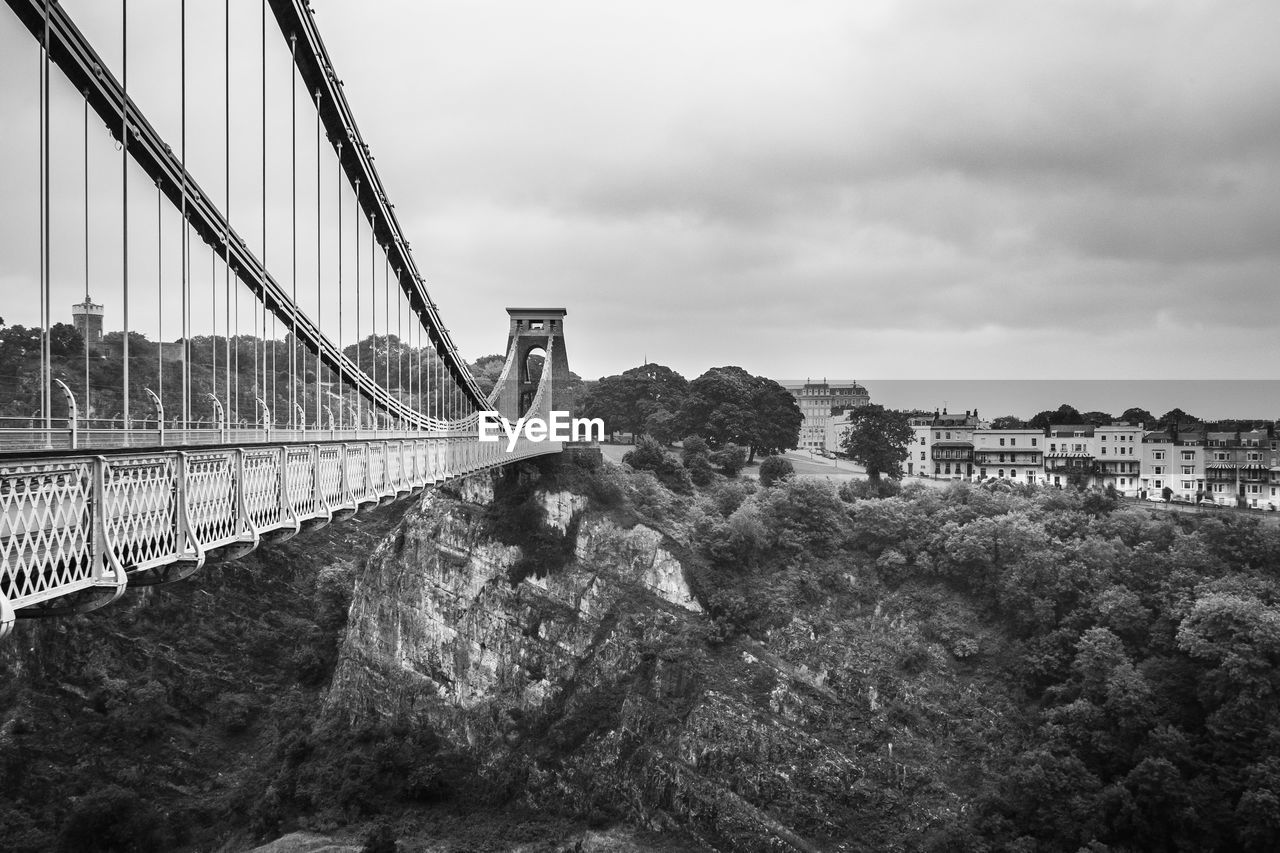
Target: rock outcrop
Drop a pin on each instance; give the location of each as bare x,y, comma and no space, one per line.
595,687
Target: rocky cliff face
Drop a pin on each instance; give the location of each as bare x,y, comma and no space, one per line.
601,689
437,628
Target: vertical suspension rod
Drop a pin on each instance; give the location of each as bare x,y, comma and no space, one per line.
46,414
186,238
124,182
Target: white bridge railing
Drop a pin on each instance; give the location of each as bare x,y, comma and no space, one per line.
77,529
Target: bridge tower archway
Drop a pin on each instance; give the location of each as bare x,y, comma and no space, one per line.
535,332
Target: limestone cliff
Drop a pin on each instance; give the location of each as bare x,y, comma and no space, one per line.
600,689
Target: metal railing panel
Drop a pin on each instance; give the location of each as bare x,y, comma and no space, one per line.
46,530
141,510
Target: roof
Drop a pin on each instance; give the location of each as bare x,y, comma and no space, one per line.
1057,430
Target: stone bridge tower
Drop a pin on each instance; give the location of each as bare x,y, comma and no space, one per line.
534,331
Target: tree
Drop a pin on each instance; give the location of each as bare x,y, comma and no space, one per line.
1008,422
878,437
626,402
1135,416
1097,418
778,419
775,469
718,406
727,404
487,369
1173,417
663,425
1065,414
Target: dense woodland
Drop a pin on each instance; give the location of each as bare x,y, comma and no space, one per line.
1142,651
258,369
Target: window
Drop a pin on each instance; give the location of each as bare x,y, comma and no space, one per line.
1186,484
1033,442
1159,469
948,468
982,472
1053,448
922,439
1157,454
1013,441
1002,445
948,436
1255,457
937,436
1104,436
1188,455
1001,473
921,455
937,468
1158,483
1104,451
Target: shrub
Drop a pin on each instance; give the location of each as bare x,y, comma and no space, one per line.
700,471
775,468
693,447
113,819
860,490
730,459
649,455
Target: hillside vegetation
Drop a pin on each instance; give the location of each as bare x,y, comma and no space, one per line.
979,668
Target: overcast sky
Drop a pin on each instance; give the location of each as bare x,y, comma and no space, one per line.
910,189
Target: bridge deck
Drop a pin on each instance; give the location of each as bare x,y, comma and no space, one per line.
73,522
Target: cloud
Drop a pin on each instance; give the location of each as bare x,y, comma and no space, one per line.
826,187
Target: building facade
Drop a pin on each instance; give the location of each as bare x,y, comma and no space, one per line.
1117,457
1016,455
819,402
1238,468
1069,455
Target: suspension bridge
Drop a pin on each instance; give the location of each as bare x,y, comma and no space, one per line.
297,369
